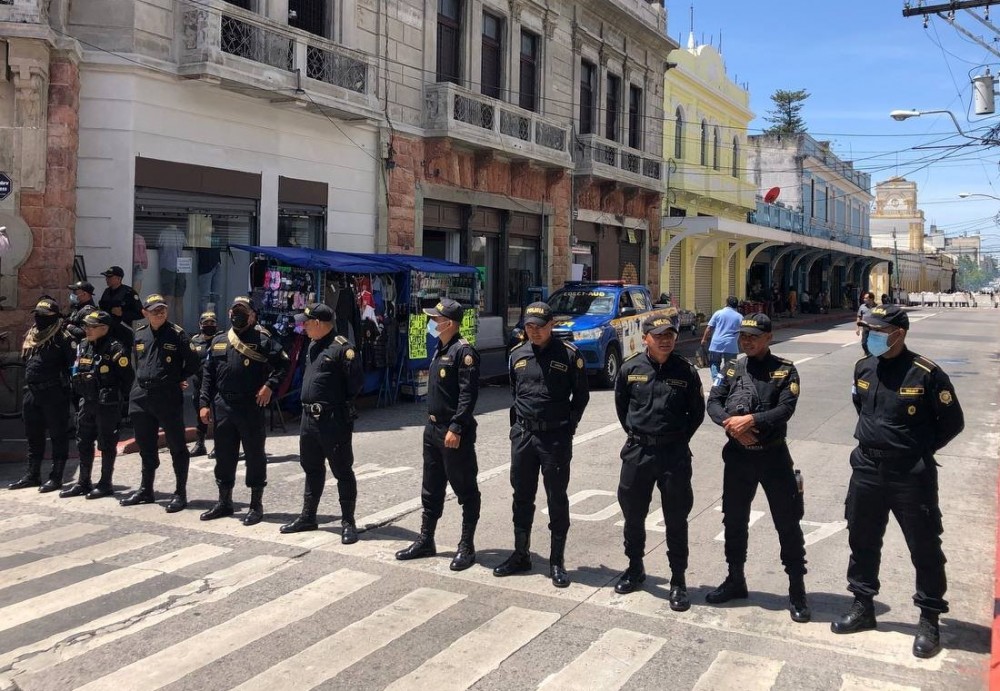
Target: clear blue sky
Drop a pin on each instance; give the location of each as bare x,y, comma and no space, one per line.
860,59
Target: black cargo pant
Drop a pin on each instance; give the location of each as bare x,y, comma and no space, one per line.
238,419
151,410
547,452
667,467
47,410
913,500
97,423
456,466
772,469
196,401
327,439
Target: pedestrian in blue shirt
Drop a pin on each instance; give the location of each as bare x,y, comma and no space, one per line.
724,330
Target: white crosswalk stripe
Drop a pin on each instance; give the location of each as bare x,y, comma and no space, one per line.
67,645
80,557
47,538
478,652
608,664
852,682
326,659
99,586
739,672
29,520
191,654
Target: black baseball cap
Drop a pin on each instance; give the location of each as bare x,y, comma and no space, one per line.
242,301
447,308
46,307
98,318
657,324
114,271
317,311
207,317
756,324
153,301
83,285
887,315
538,313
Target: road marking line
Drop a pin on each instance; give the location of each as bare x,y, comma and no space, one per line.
478,652
608,664
332,655
805,359
852,682
365,471
113,626
30,543
193,653
738,672
92,588
80,557
29,520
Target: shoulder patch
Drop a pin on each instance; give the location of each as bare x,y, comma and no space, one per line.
468,360
348,354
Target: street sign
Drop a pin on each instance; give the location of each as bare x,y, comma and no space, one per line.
6,186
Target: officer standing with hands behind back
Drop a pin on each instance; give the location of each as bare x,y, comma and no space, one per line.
907,412
449,436
208,324
660,404
753,400
549,385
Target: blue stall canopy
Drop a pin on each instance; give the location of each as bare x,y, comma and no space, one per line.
293,256
356,262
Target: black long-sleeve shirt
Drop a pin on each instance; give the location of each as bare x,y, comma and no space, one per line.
453,385
163,357
774,395
549,384
333,372
228,372
659,400
123,296
49,364
104,366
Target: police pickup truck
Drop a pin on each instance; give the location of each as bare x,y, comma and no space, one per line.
603,319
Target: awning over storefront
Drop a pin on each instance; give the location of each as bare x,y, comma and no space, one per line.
357,263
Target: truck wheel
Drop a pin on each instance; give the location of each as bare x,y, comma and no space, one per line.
612,361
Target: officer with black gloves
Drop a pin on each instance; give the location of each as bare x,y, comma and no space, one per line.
549,385
122,303
208,323
449,436
81,299
163,363
907,412
753,400
243,369
102,380
332,379
660,405
48,353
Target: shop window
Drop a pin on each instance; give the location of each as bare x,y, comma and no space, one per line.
449,34
679,135
492,70
528,93
302,228
588,73
635,117
524,257
441,244
484,254
308,15
612,107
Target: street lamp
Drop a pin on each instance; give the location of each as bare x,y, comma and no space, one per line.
966,195
900,115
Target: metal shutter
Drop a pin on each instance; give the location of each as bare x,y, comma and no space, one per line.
703,285
674,262
732,276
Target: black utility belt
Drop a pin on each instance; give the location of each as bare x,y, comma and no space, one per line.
237,396
541,425
888,453
656,439
159,385
48,386
762,447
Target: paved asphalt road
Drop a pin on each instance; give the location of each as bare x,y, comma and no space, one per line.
94,595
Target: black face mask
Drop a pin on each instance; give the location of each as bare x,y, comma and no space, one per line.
209,330
240,320
44,322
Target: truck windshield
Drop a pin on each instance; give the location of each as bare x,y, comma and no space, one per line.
574,302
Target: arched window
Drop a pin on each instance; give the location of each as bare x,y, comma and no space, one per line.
704,143
679,134
736,157
715,150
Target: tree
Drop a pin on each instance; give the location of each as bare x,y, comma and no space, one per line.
786,116
972,277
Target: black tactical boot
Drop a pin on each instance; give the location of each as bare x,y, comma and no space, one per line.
255,514
29,479
348,531
55,480
679,600
178,502
465,555
633,577
143,495
305,520
199,446
82,485
520,560
799,606
928,640
424,545
733,588
100,491
860,617
557,562
223,507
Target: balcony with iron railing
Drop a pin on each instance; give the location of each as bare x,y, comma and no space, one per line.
781,217
491,124
609,160
252,54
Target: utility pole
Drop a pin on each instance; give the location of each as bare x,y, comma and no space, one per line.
946,7
898,268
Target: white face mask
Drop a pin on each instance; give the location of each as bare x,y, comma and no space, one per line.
432,328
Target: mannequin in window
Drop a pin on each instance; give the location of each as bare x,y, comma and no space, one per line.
140,261
209,274
173,283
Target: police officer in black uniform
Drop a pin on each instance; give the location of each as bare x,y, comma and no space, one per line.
82,302
907,412
332,379
450,437
243,369
122,303
163,362
549,386
753,400
200,342
48,353
102,380
660,404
